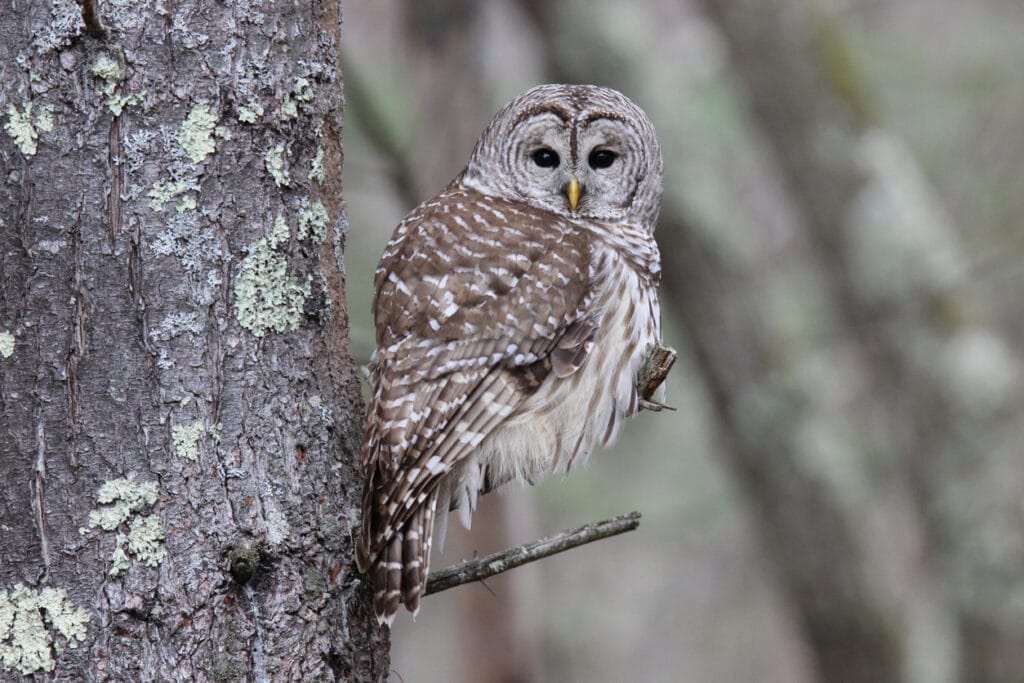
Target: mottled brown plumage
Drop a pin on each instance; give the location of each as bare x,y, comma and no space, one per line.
510,321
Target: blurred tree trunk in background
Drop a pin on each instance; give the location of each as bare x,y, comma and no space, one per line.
802,529
800,525
916,323
176,391
498,627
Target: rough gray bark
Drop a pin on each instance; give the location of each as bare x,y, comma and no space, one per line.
178,406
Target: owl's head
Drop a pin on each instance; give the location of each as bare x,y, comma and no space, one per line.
576,150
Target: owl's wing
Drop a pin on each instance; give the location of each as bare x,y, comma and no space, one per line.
477,301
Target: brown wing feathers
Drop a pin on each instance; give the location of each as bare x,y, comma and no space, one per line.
459,349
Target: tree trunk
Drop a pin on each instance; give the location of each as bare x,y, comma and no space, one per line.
178,406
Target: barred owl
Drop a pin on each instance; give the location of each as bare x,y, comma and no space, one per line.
513,311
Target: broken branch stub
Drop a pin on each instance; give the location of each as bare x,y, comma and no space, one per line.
652,374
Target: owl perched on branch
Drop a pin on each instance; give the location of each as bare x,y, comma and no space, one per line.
513,312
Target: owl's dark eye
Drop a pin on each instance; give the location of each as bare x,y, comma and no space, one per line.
545,157
602,158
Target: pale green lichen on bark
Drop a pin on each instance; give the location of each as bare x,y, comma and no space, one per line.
279,233
19,127
146,540
316,168
186,439
164,191
313,221
111,71
6,344
289,110
196,133
274,161
301,94
250,113
117,103
70,621
267,298
278,528
119,560
44,119
123,497
26,643
121,500
187,203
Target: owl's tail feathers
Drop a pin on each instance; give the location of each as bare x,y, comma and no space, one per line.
386,580
400,573
416,553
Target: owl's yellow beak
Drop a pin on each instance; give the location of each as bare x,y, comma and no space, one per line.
572,191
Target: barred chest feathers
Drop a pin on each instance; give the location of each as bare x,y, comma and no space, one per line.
561,424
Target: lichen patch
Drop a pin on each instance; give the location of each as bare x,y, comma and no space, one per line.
121,500
117,103
109,70
28,621
44,119
145,540
296,100
250,113
196,133
186,439
19,127
316,167
313,220
164,191
6,344
190,241
267,298
186,203
274,161
112,71
277,527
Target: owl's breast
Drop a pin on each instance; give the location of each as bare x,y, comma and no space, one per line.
568,417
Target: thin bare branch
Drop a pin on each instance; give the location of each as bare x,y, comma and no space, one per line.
485,567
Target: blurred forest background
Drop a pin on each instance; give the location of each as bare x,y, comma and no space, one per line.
840,495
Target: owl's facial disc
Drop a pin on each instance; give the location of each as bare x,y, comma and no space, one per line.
574,164
583,151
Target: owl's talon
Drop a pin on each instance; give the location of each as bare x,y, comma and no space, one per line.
654,406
